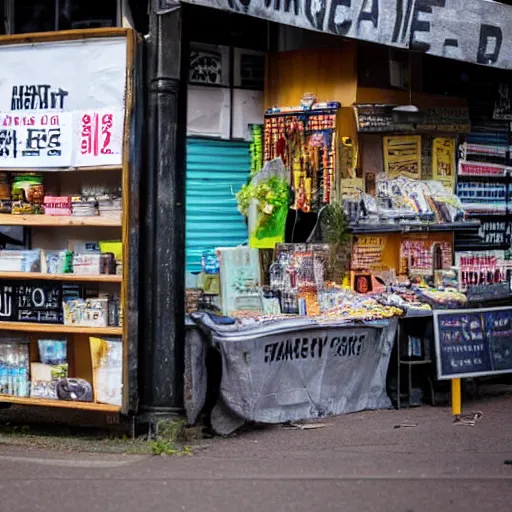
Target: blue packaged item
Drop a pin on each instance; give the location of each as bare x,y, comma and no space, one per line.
53,352
210,262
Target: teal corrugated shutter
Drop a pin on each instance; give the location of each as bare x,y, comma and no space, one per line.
216,170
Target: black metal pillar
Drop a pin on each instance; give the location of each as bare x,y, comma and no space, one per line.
163,217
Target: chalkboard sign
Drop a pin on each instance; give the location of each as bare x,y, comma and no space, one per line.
376,118
7,302
39,302
473,342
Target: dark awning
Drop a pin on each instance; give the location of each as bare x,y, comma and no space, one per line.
478,31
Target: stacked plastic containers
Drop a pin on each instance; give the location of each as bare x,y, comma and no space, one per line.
14,368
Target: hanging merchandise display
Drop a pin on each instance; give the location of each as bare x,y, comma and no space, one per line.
305,140
362,260
256,148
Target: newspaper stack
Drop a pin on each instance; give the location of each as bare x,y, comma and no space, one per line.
110,206
84,206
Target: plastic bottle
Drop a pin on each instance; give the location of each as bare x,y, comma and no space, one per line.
23,383
3,379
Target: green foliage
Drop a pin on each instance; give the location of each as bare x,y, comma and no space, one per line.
334,225
271,194
334,232
167,448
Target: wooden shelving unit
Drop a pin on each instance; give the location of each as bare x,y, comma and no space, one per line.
58,221
117,110
63,404
75,278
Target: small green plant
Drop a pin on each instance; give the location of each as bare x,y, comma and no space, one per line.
166,448
169,435
334,232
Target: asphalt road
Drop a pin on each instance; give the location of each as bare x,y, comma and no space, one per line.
358,462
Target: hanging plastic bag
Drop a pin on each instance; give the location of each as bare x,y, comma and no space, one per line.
265,201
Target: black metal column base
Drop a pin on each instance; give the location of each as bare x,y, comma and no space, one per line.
162,315
148,419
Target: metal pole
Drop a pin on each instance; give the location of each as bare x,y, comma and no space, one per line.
163,217
456,398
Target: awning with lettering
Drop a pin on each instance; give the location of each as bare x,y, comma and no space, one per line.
477,31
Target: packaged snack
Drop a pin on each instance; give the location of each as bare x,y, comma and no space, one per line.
57,205
5,193
28,194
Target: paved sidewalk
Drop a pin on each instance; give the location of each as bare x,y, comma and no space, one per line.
357,462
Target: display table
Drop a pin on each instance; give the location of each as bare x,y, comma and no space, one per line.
287,370
473,341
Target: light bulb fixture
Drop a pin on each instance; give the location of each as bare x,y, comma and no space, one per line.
408,109
407,114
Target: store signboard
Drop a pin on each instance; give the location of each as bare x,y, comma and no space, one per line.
475,31
443,162
473,342
291,370
39,302
62,103
402,156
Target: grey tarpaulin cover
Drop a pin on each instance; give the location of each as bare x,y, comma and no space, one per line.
291,370
195,379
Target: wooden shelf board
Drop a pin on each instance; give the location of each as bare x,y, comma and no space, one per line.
482,176
7,219
63,169
99,278
60,403
60,328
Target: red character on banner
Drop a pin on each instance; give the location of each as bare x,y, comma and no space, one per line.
86,142
107,123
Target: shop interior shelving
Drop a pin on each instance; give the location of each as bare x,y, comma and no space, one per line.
53,232
47,232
